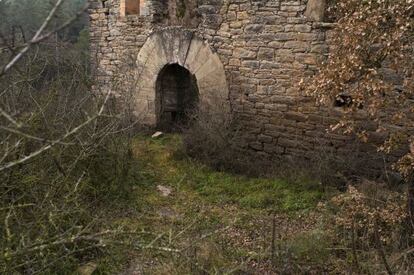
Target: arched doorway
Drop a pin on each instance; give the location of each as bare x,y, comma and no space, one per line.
177,96
175,45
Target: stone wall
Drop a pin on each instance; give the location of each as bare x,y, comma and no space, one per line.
266,48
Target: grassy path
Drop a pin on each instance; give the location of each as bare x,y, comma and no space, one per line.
221,223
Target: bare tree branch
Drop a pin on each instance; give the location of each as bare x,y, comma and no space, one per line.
10,118
28,136
53,143
33,40
39,36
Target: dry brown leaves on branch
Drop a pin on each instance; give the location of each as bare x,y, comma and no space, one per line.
371,63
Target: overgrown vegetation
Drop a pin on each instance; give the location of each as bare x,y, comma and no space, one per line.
213,137
227,223
22,18
167,156
370,72
65,157
371,221
79,189
219,222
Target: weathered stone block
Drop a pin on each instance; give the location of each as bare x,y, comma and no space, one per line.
265,139
254,28
244,53
242,15
315,9
266,54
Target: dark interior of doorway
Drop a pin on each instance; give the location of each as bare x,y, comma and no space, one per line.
177,97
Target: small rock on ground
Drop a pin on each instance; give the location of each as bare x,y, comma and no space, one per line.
157,135
164,190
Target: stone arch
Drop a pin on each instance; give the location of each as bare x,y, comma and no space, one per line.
185,48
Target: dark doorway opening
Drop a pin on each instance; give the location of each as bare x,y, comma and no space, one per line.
177,97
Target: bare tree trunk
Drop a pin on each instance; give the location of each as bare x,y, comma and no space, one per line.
410,202
381,251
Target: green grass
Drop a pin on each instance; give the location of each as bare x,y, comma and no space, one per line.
221,223
164,163
205,203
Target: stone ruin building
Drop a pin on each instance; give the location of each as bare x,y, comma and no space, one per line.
245,55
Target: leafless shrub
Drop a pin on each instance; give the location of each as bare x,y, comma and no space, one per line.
59,162
64,158
214,136
370,221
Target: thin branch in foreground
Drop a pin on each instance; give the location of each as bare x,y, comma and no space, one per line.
57,141
33,40
10,118
28,136
39,36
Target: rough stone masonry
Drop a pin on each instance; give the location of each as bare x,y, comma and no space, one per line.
245,55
